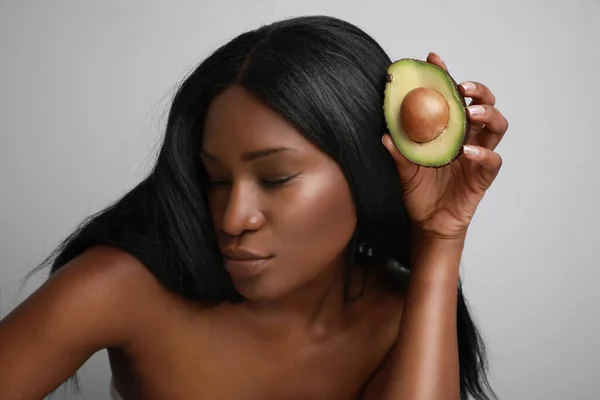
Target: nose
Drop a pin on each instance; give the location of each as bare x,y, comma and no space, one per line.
242,211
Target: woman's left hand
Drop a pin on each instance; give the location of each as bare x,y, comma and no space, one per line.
442,201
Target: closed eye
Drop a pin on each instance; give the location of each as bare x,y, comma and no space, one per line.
270,183
279,181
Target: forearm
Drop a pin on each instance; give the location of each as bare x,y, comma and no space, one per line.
425,359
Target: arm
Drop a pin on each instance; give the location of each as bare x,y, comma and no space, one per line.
441,202
424,361
88,305
425,358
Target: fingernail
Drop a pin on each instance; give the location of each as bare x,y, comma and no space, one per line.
468,86
476,110
471,150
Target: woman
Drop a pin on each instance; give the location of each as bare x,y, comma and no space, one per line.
281,248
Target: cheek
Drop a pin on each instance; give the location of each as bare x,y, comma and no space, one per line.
320,218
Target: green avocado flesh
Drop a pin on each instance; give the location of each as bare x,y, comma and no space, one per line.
405,75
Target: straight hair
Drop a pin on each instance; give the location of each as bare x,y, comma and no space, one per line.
324,75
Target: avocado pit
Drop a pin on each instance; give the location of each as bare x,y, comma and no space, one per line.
424,114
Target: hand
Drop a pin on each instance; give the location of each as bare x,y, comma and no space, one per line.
442,201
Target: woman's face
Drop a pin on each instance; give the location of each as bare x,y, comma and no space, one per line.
282,208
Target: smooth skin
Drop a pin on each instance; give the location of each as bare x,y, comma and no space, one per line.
294,337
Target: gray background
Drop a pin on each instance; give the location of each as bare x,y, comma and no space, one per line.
85,85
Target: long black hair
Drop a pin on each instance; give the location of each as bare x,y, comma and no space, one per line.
327,77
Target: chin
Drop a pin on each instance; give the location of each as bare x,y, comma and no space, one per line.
260,290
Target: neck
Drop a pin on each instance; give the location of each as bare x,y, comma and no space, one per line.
318,308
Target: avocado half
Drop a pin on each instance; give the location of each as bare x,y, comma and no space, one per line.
423,101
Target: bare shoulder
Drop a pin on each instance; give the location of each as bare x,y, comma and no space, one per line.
97,300
105,264
105,268
106,281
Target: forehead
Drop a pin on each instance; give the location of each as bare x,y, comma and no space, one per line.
238,121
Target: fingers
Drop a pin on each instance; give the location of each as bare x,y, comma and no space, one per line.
488,123
488,162
406,169
493,119
477,91
433,58
495,124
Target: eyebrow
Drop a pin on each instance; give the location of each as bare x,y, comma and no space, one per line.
253,155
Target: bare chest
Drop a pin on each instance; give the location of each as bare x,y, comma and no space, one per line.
220,361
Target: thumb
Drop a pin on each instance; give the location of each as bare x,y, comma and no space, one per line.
406,169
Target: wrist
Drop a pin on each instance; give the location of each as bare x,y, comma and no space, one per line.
436,258
426,241
444,232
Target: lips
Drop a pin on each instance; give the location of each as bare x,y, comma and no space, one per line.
243,263
243,254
